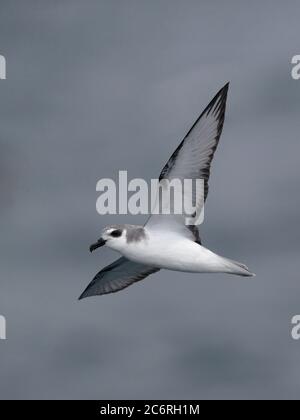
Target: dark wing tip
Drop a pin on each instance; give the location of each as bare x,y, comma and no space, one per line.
217,105
88,290
88,293
224,90
82,296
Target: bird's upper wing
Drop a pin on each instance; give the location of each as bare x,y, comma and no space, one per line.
192,160
116,276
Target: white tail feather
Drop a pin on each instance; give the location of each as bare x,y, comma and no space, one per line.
237,268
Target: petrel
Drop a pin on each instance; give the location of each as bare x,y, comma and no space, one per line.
167,241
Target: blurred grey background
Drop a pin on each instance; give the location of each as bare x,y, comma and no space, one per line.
95,87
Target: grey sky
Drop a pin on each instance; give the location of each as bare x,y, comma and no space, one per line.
99,86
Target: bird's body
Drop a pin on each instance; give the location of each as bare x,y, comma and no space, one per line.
172,251
170,241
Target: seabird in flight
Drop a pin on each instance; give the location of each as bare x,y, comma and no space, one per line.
167,241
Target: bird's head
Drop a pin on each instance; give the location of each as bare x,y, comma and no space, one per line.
112,236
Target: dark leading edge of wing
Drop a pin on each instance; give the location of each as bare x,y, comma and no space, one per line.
116,276
200,142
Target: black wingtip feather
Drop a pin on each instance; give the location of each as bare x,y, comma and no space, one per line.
81,296
220,98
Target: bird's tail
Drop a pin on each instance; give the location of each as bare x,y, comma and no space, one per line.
237,268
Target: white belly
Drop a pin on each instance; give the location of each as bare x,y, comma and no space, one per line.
173,253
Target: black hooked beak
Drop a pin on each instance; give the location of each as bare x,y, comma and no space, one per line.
98,244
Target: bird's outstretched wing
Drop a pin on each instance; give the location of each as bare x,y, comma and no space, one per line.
192,160
116,276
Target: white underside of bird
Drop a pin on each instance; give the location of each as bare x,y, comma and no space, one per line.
175,252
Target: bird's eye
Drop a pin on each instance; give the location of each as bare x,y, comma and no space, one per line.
116,233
